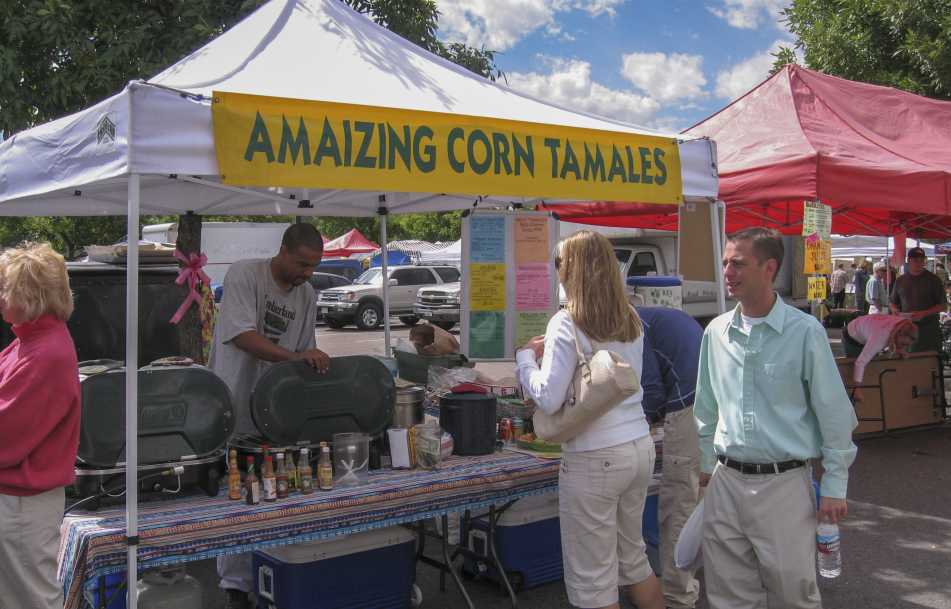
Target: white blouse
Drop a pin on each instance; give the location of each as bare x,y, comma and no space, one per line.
548,385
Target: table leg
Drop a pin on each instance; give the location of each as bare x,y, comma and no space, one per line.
448,561
503,577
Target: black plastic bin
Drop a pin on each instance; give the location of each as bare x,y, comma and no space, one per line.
470,418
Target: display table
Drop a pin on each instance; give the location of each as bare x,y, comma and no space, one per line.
897,392
200,527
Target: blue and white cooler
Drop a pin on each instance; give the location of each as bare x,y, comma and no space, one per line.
657,290
333,573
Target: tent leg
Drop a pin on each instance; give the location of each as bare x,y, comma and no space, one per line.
718,230
386,282
132,390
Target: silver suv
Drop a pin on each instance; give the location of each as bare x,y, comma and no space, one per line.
362,302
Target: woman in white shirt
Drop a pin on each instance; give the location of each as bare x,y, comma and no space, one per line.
606,469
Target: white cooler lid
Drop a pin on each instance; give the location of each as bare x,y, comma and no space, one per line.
343,545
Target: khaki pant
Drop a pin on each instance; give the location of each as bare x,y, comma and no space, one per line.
601,495
759,540
679,492
29,543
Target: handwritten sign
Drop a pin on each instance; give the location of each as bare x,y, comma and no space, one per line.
487,287
817,288
818,258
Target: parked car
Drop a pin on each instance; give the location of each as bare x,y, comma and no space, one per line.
439,305
350,268
362,302
323,281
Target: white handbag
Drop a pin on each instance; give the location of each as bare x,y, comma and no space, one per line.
688,555
599,384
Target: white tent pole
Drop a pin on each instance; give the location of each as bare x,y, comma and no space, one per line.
718,229
386,282
132,389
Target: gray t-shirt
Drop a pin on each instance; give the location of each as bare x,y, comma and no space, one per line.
253,301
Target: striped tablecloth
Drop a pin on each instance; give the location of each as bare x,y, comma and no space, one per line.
195,528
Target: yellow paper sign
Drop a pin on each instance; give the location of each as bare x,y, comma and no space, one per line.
817,288
818,258
487,287
272,141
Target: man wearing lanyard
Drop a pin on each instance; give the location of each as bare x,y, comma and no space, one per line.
267,315
769,398
919,296
669,377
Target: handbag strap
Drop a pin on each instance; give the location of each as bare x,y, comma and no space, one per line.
582,359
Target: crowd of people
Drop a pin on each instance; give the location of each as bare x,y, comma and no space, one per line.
747,404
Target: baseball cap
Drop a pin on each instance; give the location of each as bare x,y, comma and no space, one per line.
916,252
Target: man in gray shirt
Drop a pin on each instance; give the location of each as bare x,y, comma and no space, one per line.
919,296
267,315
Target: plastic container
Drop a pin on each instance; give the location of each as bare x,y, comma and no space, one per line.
415,368
334,573
829,554
169,588
470,419
113,592
351,459
428,446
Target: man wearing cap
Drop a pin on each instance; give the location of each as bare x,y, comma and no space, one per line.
919,296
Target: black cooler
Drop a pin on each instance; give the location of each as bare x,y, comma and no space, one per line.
185,417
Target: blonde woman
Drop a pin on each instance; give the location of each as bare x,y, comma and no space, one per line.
606,469
39,423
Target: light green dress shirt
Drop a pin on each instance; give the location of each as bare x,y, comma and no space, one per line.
774,395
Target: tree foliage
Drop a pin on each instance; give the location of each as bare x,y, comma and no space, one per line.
60,56
782,58
900,43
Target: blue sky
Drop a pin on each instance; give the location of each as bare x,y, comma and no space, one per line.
664,64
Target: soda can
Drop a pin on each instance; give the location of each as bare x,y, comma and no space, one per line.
518,428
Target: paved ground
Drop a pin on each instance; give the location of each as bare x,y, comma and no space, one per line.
896,543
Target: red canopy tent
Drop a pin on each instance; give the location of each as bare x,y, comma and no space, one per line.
351,242
880,157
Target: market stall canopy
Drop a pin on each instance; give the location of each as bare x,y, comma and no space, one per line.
316,50
349,243
879,156
450,253
613,213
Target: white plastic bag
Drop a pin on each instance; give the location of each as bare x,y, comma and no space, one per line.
687,553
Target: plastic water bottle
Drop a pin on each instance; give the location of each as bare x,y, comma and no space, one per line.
828,552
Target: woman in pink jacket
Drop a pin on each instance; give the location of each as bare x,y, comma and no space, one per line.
39,424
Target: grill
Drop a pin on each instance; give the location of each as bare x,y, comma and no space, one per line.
433,298
328,296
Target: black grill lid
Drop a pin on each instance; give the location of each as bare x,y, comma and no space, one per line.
293,403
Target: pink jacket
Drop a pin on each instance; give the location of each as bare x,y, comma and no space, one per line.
40,408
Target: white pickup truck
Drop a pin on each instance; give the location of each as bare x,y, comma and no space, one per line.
639,253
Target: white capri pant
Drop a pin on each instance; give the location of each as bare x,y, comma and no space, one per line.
601,495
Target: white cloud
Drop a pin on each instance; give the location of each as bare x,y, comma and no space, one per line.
743,76
568,83
750,14
500,24
666,77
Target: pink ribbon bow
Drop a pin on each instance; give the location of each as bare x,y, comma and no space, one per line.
191,273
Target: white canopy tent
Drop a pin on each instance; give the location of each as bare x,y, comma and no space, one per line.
875,248
150,148
448,254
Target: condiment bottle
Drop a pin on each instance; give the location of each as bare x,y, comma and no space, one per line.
304,473
325,471
282,487
234,476
268,481
253,496
293,480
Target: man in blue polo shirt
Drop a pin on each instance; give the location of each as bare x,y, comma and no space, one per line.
669,377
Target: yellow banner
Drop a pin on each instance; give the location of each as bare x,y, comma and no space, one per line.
272,141
817,288
818,258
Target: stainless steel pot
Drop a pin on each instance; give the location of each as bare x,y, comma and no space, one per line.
408,410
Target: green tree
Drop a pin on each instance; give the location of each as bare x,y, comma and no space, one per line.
783,57
900,43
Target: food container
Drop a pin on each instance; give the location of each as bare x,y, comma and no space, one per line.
428,446
351,457
470,418
408,410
